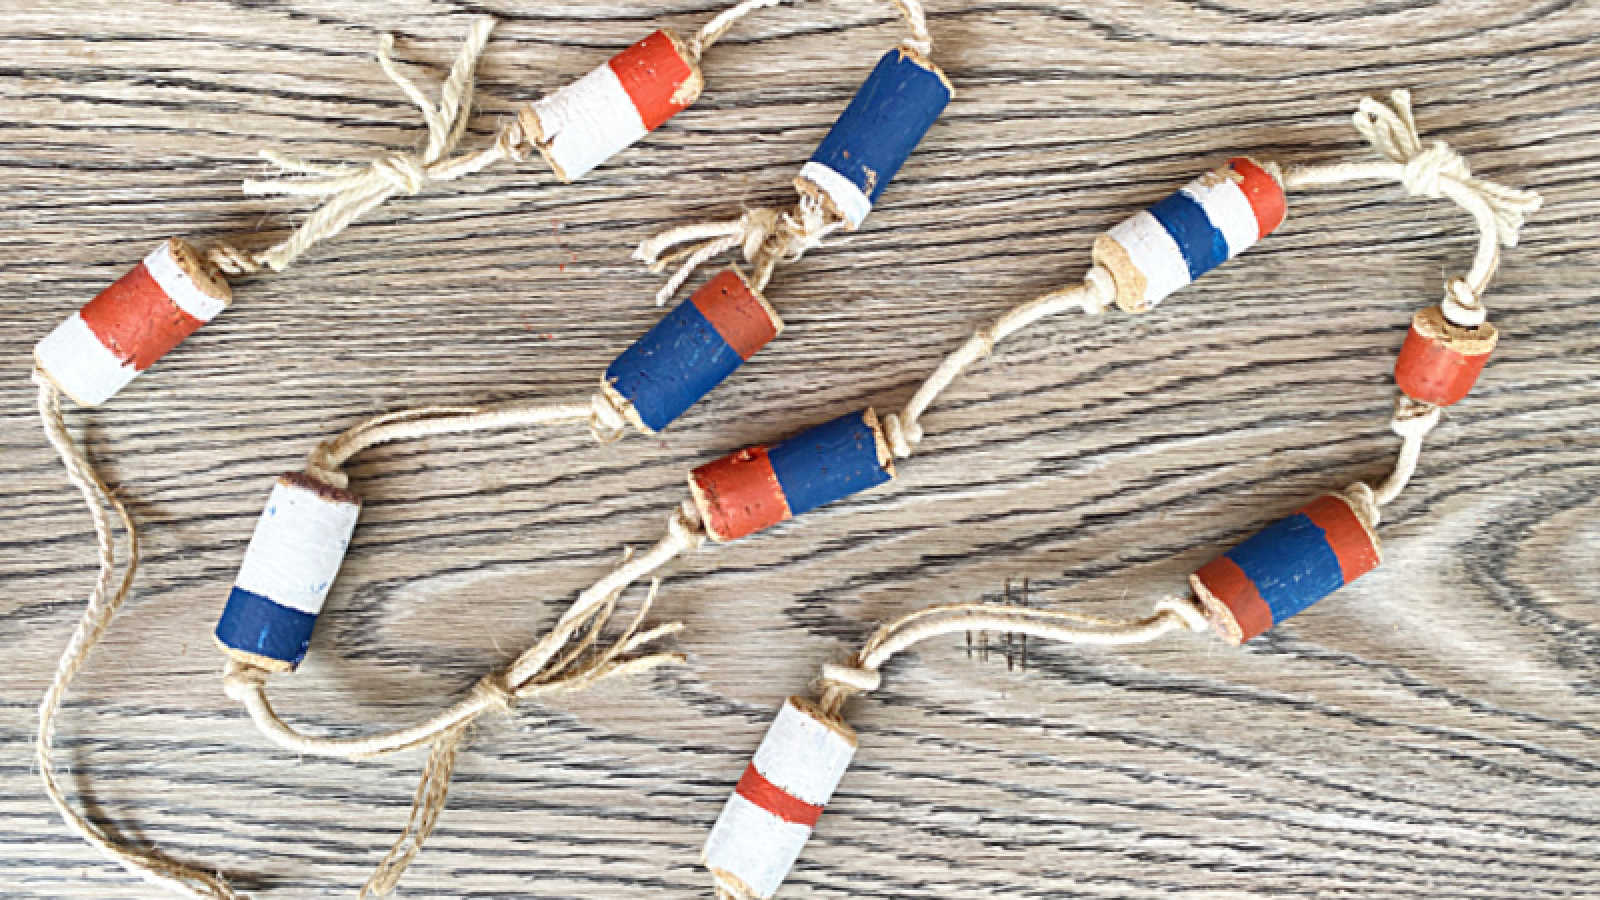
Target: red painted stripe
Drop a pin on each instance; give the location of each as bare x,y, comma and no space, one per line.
740,494
1347,538
1264,193
651,71
736,313
1428,370
1234,589
136,320
755,787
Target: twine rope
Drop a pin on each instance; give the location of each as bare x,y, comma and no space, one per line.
348,192
860,673
105,600
1432,170
567,659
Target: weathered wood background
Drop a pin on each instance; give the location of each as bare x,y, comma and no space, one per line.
1432,731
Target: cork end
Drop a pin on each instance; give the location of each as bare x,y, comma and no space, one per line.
728,882
1129,281
810,708
1222,619
702,505
1467,341
772,312
885,455
319,487
812,191
917,56
689,91
624,405
267,663
528,118
207,277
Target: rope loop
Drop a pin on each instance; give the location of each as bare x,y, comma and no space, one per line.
903,435
1365,503
856,678
1462,305
1187,611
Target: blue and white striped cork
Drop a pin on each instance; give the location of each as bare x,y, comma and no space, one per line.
294,555
876,133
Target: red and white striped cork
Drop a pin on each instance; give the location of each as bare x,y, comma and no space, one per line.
132,323
766,822
601,114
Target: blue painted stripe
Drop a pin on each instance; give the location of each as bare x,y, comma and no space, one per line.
1291,565
254,624
828,462
672,366
884,122
1203,245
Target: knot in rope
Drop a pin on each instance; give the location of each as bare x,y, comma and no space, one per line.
903,435
323,464
1413,419
1392,131
242,680
685,528
1462,306
404,172
1186,610
854,678
348,191
495,690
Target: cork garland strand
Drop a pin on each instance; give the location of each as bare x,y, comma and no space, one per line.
178,287
1277,573
889,116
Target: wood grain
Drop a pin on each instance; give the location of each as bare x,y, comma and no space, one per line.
1429,731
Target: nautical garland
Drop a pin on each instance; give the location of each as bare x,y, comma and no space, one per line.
300,540
1278,572
178,287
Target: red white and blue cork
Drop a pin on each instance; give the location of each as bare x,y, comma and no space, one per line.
758,487
1206,223
690,351
769,817
1286,567
293,557
876,133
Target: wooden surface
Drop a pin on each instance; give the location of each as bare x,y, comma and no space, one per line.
1432,731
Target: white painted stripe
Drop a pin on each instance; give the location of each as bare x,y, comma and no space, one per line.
179,287
851,202
298,545
753,845
588,122
1154,253
803,756
80,365
1228,209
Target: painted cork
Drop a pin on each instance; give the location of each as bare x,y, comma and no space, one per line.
603,113
875,134
293,557
758,487
690,351
1286,567
766,822
128,326
1206,223
1440,360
